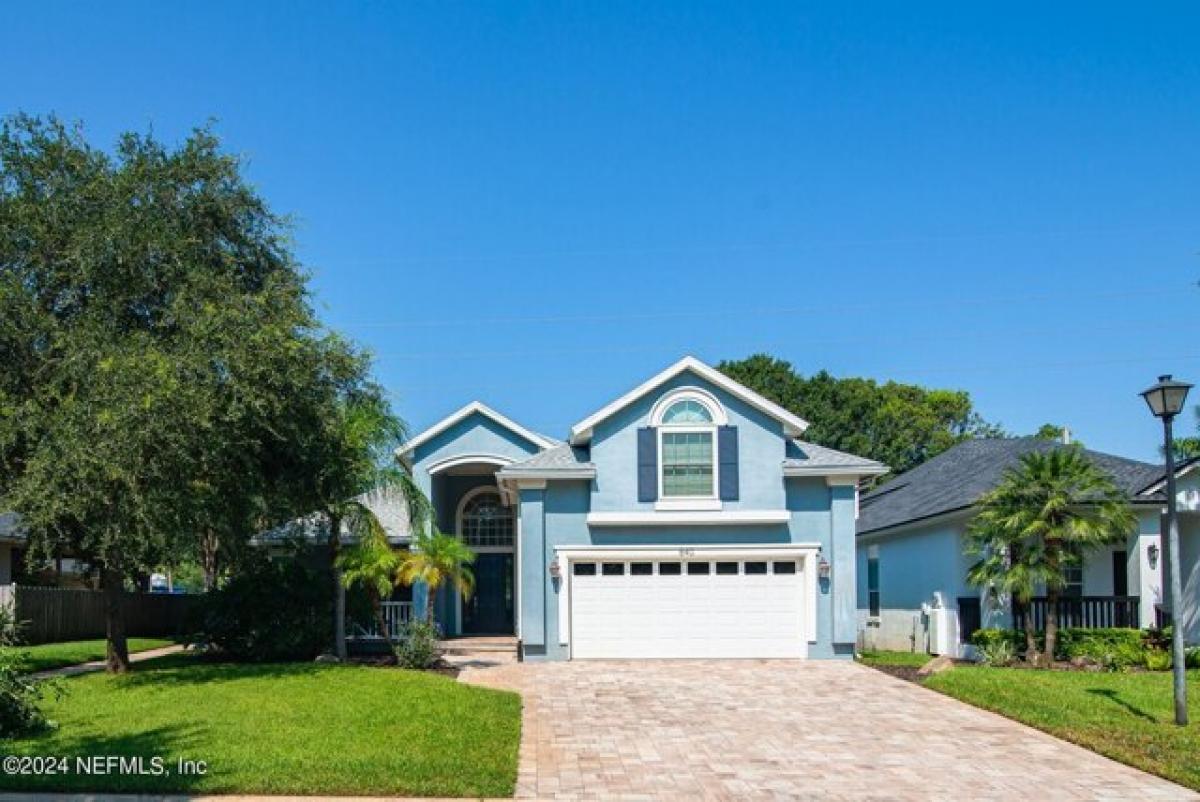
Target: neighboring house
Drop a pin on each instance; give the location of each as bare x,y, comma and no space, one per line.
913,592
687,518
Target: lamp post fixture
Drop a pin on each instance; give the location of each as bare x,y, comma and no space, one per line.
1165,400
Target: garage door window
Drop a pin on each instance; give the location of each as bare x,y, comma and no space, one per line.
784,568
614,569
726,569
584,569
641,569
697,568
756,568
669,569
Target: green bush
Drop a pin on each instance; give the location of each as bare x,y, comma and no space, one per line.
997,653
1191,657
273,610
1157,660
1114,648
418,646
20,693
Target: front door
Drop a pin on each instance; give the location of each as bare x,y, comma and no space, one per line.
490,610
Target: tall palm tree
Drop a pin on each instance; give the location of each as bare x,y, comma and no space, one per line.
435,560
1045,514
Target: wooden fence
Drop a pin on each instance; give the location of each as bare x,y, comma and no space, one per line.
50,615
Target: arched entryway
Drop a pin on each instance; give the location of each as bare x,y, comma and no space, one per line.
488,526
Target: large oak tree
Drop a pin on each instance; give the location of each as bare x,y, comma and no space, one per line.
166,388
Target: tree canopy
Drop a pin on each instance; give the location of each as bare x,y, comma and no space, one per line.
901,425
165,378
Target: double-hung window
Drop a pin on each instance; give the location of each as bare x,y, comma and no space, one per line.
687,451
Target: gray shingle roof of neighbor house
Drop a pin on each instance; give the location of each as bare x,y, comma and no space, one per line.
956,478
562,459
802,456
388,505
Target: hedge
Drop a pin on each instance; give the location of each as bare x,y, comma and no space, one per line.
1114,648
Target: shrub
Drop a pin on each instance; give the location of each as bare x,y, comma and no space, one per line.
418,646
1191,657
20,693
990,639
1113,648
1157,660
997,652
272,610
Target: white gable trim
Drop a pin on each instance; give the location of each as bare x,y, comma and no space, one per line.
466,412
1180,471
793,426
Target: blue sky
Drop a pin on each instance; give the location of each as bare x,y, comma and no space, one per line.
541,205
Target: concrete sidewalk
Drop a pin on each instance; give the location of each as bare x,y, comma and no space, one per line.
98,665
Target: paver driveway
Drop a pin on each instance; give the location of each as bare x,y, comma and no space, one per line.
783,729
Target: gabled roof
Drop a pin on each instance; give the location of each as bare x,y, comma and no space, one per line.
958,477
810,459
1181,469
540,440
792,425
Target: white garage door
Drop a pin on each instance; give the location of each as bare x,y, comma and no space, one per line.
689,608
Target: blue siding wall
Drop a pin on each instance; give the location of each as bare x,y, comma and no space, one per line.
914,564
760,446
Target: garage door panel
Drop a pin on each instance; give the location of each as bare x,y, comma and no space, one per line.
687,614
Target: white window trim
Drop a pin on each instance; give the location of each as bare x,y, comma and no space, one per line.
711,431
697,394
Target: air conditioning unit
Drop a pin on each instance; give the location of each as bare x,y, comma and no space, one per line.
942,627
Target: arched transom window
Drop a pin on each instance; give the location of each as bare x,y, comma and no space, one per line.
687,454
485,521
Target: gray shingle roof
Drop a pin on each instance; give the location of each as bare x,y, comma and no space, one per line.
810,455
955,479
389,507
561,458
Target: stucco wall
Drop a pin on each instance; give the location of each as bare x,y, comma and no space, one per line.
760,452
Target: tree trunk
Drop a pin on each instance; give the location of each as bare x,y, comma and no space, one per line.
1031,650
430,602
117,650
1051,625
208,557
339,596
380,621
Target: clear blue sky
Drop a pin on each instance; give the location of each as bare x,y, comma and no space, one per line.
541,205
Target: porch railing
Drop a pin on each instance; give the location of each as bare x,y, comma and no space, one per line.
395,615
1082,612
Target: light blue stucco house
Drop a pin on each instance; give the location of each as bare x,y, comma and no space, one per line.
687,518
913,593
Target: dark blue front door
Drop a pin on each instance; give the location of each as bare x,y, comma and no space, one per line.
490,610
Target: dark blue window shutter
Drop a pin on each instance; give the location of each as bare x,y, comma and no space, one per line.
727,459
647,464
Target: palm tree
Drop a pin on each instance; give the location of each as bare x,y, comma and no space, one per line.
435,560
371,563
1041,519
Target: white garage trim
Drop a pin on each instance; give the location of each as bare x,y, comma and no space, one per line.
806,553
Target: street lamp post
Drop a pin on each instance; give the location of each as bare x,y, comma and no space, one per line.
1166,400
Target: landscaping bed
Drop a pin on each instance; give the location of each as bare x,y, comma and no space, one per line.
283,728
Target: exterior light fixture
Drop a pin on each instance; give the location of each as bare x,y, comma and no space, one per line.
555,570
1152,555
1165,400
823,568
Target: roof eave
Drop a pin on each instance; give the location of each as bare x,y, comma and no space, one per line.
404,451
793,425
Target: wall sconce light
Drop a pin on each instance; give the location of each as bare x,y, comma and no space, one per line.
823,568
555,570
1152,555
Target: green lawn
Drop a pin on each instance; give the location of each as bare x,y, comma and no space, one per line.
1126,716
908,659
55,655
297,728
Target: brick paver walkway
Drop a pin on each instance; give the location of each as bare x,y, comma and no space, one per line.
783,729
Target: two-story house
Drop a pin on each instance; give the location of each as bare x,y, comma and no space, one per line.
687,518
